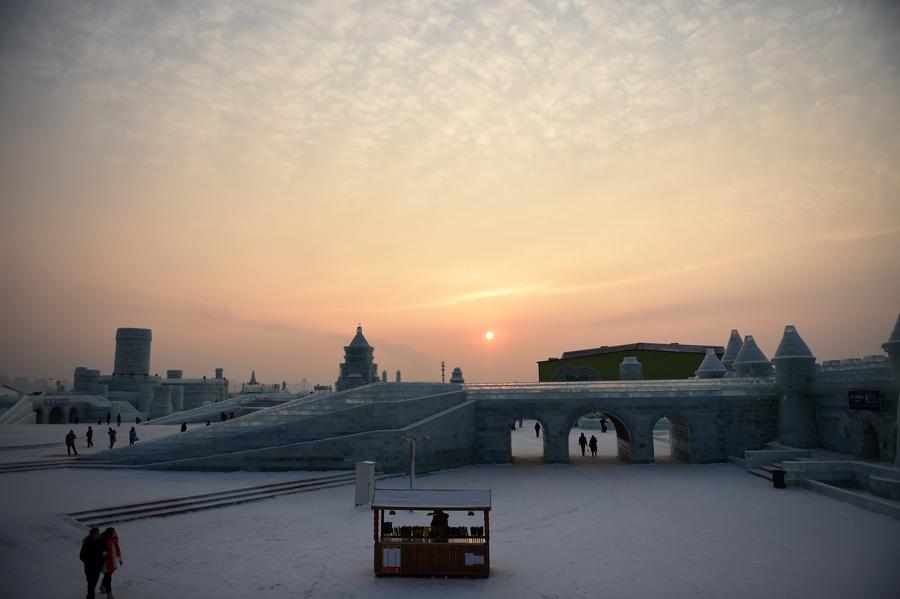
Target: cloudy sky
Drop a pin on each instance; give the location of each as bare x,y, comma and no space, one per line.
251,179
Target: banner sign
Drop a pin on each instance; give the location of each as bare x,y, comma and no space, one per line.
864,400
56,401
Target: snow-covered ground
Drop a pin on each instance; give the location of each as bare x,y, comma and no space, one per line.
586,530
31,442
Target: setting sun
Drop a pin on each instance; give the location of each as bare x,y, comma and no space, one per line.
489,335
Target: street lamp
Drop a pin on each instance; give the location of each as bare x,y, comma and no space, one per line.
411,441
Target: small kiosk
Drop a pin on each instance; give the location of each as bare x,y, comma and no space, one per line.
445,547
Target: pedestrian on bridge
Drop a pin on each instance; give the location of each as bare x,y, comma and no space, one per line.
582,442
90,436
112,437
537,429
70,443
593,445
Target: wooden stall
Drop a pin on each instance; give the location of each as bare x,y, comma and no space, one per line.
455,543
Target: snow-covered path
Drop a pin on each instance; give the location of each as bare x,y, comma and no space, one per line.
606,530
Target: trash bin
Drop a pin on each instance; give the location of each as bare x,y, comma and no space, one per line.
778,478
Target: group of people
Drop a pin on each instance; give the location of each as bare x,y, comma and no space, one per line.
99,553
89,437
592,444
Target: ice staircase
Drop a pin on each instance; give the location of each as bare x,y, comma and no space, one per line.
99,517
20,412
310,418
241,405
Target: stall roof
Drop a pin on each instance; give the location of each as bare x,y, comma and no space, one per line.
430,499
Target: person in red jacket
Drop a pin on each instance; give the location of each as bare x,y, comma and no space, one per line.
112,554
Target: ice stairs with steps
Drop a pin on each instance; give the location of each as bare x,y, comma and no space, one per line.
242,405
105,516
377,406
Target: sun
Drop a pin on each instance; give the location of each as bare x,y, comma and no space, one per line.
489,335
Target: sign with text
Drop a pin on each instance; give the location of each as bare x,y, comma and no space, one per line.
864,400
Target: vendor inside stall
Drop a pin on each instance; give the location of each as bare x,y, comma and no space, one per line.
404,545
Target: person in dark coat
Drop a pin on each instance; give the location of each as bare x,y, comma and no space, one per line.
90,436
118,420
132,436
183,426
593,445
112,437
92,548
537,429
603,425
108,418
582,442
70,443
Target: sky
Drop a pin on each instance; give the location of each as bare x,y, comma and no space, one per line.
250,180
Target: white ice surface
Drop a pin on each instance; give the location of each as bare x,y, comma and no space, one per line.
594,530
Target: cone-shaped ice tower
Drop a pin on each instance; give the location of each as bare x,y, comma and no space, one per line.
751,361
794,368
732,349
892,347
711,367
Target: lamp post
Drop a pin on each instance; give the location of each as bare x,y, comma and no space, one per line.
411,441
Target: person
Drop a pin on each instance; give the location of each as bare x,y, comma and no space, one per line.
90,436
137,419
440,524
603,424
70,443
520,422
183,426
132,436
582,442
112,437
207,423
118,420
537,429
593,445
113,553
92,548
108,418
512,426
99,421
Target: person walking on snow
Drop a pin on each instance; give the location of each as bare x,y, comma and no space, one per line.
113,553
108,417
582,442
92,548
70,443
90,436
537,429
112,437
132,436
118,420
593,445
183,426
